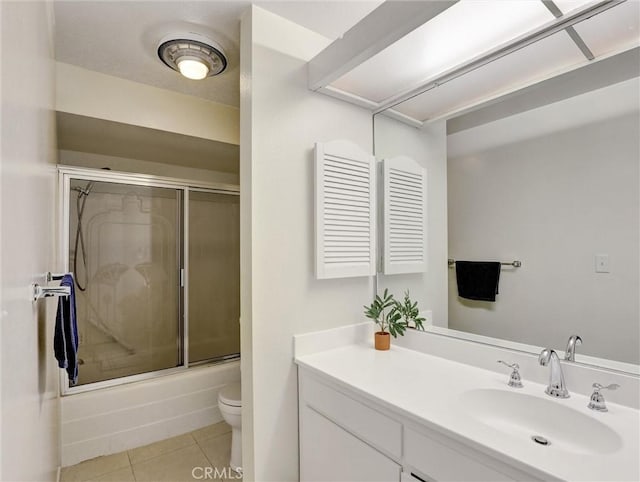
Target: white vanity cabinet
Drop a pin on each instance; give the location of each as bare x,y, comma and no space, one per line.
347,437
330,453
342,439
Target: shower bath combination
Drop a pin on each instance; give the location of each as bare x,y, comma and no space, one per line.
141,252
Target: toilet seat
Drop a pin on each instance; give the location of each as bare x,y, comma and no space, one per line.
231,395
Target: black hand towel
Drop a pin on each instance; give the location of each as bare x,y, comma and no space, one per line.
65,338
478,280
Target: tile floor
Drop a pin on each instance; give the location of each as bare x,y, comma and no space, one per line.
170,460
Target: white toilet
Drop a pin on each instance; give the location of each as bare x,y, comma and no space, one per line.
230,404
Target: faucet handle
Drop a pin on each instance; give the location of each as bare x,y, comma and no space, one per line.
598,386
514,379
597,401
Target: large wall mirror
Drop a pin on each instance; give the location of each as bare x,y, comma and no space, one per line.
534,157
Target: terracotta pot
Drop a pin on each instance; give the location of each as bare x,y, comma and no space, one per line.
383,340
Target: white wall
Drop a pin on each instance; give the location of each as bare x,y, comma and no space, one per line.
281,120
111,420
554,202
29,400
428,147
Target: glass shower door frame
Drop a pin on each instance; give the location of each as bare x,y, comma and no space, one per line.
66,175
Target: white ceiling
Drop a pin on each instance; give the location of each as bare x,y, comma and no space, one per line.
120,38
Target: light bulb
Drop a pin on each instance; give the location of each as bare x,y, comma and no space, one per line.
192,68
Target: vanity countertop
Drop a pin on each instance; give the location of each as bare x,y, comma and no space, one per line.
430,390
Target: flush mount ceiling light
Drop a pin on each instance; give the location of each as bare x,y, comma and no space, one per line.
194,56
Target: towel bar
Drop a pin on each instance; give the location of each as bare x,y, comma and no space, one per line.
515,264
48,291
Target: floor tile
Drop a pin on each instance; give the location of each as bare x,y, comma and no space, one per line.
122,475
93,468
217,450
211,431
150,451
176,466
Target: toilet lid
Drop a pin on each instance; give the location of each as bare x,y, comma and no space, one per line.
231,395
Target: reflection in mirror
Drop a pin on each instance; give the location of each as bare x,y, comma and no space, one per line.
547,174
557,188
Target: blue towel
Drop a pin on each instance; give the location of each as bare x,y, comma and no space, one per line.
65,338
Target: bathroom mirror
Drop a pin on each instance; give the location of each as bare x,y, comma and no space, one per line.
548,175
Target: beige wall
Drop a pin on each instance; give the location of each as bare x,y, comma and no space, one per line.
281,120
29,374
84,92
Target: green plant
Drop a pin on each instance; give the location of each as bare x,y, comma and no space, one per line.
384,312
409,312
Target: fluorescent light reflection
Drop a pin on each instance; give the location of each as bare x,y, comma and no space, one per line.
473,27
464,31
566,6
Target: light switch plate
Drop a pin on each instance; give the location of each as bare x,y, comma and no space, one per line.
602,263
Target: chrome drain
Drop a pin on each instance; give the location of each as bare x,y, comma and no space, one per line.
539,439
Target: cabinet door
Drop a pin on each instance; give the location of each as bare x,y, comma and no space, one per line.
446,463
328,453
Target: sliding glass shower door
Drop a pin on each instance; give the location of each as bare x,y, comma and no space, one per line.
214,276
125,252
156,263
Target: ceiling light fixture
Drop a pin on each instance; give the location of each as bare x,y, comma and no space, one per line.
194,56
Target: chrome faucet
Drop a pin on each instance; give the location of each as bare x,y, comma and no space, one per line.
570,354
556,387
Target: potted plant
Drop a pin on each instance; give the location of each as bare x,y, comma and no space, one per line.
409,312
393,317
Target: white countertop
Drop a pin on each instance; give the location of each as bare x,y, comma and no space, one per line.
430,390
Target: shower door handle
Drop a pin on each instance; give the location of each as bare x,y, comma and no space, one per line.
181,277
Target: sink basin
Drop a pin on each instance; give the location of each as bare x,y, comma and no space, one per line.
526,416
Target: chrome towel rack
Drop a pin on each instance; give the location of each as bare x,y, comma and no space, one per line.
49,291
515,264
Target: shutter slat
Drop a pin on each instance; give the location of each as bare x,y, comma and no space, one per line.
345,211
404,216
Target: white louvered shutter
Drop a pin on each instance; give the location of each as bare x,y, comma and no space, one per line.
345,210
405,216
